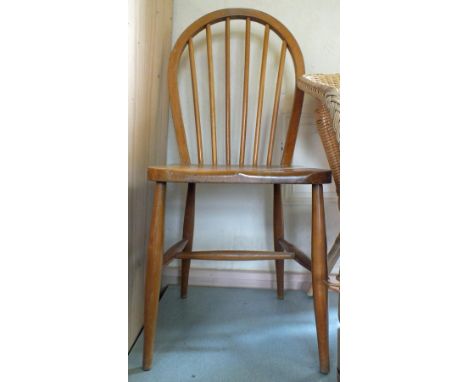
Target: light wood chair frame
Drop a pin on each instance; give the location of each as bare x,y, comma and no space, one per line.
241,173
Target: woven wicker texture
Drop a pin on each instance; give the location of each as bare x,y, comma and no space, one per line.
326,89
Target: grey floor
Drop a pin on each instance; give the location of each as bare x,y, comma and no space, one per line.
230,334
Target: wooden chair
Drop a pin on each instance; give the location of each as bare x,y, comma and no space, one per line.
242,171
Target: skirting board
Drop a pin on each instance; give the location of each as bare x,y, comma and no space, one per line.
238,278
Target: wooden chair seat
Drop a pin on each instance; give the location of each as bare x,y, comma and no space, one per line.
238,174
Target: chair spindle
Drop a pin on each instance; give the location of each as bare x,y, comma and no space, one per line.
245,98
228,89
274,118
212,94
196,107
261,90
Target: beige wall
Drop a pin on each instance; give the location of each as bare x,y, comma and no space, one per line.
238,216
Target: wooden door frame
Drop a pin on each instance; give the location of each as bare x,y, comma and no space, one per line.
149,45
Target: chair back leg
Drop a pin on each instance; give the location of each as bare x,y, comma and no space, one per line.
189,219
278,233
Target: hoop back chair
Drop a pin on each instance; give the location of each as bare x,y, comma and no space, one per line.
241,171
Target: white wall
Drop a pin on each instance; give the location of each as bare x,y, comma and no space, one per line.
239,216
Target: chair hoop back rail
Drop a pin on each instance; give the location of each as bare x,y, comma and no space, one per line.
186,41
244,171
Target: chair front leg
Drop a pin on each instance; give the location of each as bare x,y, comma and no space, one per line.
189,220
320,275
278,233
154,265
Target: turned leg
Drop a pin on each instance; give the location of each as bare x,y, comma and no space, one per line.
278,233
189,219
279,265
153,273
320,275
